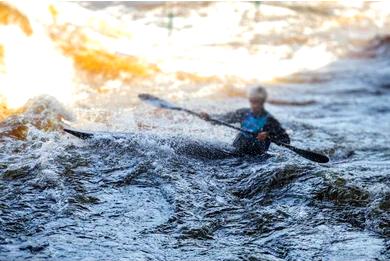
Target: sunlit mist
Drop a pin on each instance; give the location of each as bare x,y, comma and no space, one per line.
63,49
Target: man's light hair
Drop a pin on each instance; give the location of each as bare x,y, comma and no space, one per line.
257,92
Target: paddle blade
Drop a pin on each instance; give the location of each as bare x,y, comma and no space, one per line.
79,134
310,155
157,102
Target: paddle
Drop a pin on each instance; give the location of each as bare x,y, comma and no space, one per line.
157,102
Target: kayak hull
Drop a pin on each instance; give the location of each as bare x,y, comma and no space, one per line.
192,148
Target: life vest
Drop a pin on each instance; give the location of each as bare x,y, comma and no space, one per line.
245,143
253,123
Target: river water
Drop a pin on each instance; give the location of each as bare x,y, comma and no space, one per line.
327,70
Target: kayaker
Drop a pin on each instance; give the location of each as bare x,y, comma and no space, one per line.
256,119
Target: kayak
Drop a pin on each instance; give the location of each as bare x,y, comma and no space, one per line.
182,146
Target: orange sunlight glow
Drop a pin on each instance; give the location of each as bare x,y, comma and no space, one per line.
10,15
93,54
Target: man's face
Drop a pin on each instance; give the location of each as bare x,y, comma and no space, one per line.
257,104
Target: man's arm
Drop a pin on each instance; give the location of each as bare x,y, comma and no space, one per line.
276,131
230,117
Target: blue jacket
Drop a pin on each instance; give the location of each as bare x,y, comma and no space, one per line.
245,143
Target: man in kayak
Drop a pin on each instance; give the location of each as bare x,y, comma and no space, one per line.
257,120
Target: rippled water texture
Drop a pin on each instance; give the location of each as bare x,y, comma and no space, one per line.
136,196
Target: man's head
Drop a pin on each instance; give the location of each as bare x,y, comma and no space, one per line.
257,97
